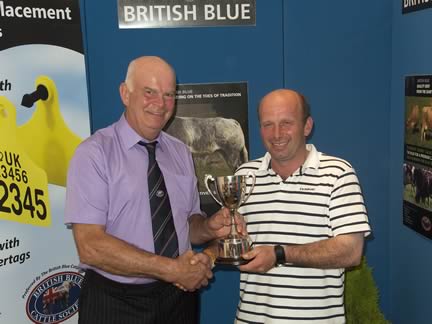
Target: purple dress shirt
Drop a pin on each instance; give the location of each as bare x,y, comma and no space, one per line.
107,185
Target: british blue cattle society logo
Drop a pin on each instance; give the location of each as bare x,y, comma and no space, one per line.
55,299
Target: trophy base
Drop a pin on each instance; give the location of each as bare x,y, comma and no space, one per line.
231,249
231,261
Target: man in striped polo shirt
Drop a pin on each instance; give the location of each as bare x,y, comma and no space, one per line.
306,217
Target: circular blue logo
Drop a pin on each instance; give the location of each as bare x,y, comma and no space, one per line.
55,299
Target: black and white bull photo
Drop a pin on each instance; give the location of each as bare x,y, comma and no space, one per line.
217,144
207,137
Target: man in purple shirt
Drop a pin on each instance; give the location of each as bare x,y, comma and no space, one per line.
107,204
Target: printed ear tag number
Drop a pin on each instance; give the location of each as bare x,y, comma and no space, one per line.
23,185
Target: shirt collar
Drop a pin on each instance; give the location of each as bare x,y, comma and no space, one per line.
312,161
130,138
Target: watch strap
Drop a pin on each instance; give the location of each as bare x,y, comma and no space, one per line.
280,254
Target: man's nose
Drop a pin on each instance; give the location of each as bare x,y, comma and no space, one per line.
276,132
159,100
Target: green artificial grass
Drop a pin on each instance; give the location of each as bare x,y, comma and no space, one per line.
361,297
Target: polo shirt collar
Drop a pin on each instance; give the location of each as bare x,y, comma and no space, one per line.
312,161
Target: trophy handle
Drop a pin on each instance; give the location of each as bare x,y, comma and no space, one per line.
206,179
248,175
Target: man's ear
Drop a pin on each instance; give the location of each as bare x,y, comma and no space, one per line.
308,126
124,94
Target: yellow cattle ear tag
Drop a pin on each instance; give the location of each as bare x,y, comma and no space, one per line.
45,137
23,185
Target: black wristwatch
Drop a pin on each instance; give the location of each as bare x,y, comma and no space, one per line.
280,255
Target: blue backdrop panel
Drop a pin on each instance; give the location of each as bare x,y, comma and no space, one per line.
338,54
212,54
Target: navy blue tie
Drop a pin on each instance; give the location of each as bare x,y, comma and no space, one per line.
164,233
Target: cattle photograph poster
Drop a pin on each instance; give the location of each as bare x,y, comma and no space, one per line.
417,166
212,120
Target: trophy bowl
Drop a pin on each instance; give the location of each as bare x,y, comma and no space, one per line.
230,192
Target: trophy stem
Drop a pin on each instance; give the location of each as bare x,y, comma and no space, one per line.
231,248
233,223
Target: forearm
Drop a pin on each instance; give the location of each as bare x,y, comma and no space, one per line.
342,251
108,253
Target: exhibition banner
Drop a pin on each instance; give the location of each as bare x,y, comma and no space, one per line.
417,167
212,120
43,117
185,13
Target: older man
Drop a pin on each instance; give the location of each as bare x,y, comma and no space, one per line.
133,238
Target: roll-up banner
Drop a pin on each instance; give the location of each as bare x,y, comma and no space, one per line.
43,117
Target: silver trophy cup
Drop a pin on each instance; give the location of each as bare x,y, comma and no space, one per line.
231,191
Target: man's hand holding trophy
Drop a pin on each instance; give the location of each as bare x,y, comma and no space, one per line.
230,192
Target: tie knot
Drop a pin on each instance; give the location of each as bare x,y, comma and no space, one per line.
149,146
151,150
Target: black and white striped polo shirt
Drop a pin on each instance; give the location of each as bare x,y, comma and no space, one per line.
320,200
